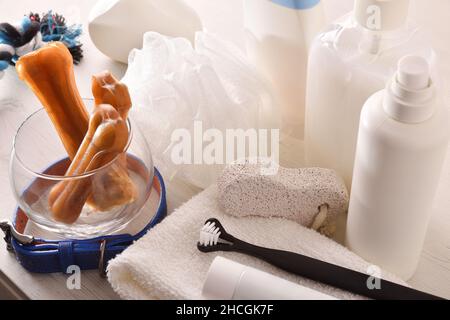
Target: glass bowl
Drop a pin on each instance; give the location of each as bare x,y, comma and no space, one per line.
39,162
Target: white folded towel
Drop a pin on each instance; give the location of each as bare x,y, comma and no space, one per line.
166,264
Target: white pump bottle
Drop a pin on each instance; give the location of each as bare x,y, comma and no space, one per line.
350,61
402,143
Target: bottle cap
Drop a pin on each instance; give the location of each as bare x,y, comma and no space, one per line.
222,280
413,72
381,15
411,94
297,4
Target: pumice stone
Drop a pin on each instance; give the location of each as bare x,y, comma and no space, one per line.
312,197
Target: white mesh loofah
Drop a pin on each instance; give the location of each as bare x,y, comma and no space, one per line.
173,85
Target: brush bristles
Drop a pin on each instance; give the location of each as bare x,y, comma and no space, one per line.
209,235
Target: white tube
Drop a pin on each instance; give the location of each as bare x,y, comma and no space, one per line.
228,280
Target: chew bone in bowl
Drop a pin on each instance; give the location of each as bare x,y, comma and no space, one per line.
79,168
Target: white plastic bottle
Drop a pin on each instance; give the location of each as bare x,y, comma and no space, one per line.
229,280
279,34
350,61
117,26
402,143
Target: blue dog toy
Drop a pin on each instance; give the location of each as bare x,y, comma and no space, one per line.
32,33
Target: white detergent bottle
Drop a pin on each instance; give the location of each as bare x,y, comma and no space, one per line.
117,26
278,35
402,143
350,61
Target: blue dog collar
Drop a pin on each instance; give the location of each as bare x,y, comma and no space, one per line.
43,256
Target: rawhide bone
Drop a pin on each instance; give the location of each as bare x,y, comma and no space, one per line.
108,90
49,73
115,187
106,139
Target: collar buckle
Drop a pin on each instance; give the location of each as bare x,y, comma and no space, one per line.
11,233
102,264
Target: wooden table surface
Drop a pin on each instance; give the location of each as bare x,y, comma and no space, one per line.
16,102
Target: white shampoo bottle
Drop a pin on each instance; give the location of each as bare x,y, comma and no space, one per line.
279,34
402,143
350,61
117,26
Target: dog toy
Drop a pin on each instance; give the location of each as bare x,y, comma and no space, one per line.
32,33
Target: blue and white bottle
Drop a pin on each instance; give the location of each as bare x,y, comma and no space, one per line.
279,34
